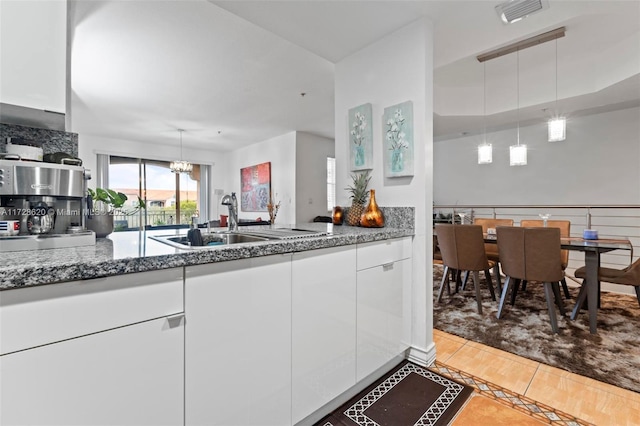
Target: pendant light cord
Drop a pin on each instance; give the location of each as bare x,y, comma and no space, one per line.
518,92
557,114
484,99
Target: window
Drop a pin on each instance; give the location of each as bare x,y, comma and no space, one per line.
171,198
331,183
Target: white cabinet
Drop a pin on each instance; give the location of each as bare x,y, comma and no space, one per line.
324,327
127,376
238,342
33,57
383,303
104,351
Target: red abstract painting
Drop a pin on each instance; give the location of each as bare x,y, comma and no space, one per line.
256,185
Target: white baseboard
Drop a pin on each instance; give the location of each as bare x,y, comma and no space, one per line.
421,356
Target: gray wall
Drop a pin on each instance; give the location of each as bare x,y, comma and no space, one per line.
598,163
311,175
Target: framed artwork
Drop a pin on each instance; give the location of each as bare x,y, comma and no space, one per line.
255,182
398,140
360,138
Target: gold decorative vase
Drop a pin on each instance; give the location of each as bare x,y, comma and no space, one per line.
372,216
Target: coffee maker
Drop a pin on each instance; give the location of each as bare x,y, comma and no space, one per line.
41,205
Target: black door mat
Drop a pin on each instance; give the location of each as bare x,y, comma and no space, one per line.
408,395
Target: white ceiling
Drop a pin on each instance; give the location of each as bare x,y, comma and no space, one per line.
142,69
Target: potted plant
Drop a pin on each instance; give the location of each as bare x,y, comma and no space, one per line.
102,206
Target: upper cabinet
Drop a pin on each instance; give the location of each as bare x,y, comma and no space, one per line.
33,58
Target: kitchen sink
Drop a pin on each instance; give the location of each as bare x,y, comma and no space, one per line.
209,240
225,238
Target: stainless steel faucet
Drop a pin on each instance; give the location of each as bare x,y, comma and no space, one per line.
232,202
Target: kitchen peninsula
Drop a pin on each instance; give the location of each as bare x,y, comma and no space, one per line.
130,252
133,331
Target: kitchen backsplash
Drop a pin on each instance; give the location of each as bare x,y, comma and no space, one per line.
53,140
395,217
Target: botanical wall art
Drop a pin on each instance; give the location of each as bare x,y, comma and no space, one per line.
255,182
360,138
398,140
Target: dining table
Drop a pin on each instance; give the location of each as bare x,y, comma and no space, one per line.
592,250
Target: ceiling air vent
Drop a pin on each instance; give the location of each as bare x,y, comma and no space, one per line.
515,10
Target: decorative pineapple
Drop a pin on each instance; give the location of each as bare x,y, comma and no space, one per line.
358,197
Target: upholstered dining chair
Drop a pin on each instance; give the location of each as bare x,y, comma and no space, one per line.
462,249
532,254
437,256
492,249
565,232
627,276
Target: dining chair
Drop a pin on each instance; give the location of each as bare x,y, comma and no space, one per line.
627,276
492,249
565,232
437,256
462,249
437,260
532,254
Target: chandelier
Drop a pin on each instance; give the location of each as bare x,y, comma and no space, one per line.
181,166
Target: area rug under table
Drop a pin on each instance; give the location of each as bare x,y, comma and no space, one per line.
408,395
611,356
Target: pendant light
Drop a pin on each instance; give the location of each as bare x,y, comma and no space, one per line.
518,153
485,150
181,166
557,126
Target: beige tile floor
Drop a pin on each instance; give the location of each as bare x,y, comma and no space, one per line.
585,398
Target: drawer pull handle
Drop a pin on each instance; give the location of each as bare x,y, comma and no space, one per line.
175,320
387,266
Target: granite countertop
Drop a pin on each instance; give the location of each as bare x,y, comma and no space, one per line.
133,251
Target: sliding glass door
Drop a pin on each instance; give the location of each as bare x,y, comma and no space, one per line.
171,199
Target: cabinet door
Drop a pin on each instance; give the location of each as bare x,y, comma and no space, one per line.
131,375
238,342
33,61
383,320
324,316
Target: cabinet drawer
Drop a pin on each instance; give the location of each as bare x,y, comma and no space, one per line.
381,252
35,316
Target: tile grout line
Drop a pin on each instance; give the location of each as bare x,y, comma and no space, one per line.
457,350
531,380
493,391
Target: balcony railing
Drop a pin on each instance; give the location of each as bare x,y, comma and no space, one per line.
153,218
611,221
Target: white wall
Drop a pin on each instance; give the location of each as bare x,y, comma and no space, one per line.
89,146
598,163
311,175
395,69
308,178
281,152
